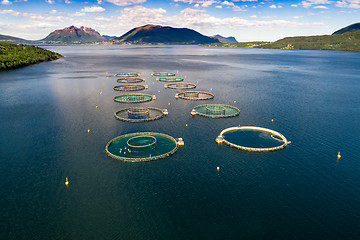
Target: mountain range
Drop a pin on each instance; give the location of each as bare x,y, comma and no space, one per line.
156,34
347,38
74,35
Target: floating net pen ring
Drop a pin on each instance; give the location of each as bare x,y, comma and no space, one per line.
215,110
180,85
133,98
170,79
130,74
129,87
141,147
194,95
139,114
163,74
130,80
278,136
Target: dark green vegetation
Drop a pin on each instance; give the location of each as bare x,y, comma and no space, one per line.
74,35
155,34
6,38
351,28
349,41
15,56
345,39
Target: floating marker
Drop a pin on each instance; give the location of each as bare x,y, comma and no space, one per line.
218,168
159,91
97,107
210,89
100,93
272,120
338,156
66,182
186,125
234,101
88,130
169,104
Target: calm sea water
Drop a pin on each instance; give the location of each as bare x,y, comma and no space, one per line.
301,192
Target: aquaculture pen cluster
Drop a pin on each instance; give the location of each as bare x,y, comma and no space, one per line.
140,146
147,146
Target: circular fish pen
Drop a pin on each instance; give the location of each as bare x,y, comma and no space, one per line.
141,147
130,80
195,95
215,110
130,74
139,114
253,139
180,85
163,74
129,87
133,98
170,79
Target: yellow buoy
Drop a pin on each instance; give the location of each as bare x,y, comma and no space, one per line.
159,91
67,182
97,107
338,156
272,120
88,130
234,101
106,73
210,89
186,125
100,93
218,168
168,103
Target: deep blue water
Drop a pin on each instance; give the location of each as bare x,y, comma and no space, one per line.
301,192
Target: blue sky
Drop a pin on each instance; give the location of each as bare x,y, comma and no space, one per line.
247,20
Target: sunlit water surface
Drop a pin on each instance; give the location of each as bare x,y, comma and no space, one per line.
301,192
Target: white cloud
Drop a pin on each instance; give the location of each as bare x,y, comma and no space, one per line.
123,3
78,14
93,9
53,11
208,3
218,6
310,3
232,5
67,1
253,16
50,1
6,2
320,7
272,6
294,5
9,12
227,3
348,4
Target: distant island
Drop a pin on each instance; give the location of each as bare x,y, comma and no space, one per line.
345,39
15,56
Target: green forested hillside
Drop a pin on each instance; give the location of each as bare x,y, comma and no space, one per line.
349,41
15,56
